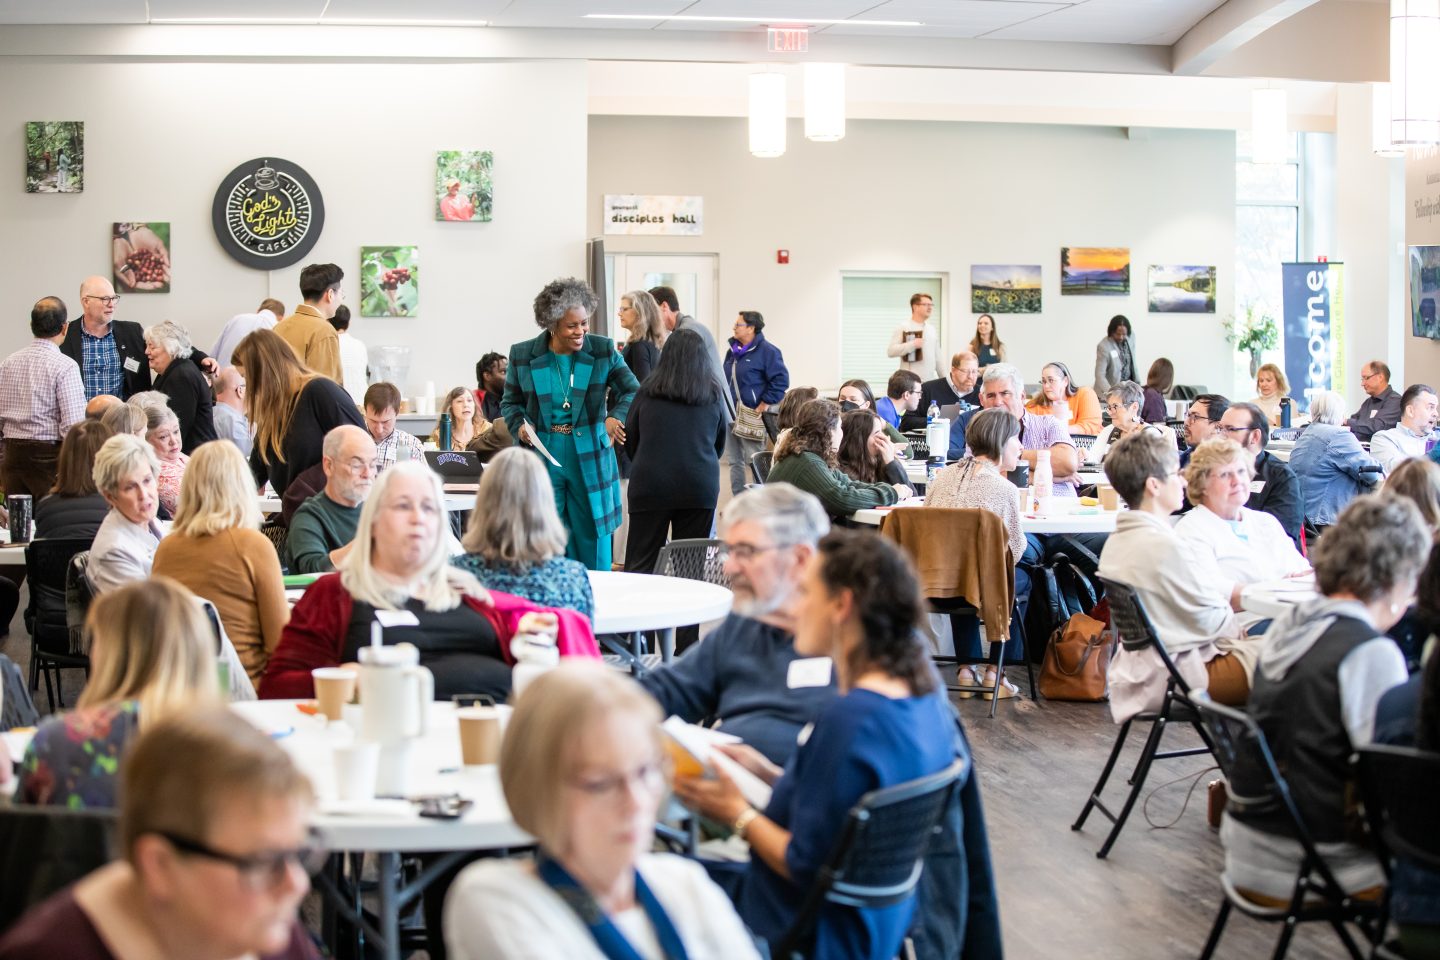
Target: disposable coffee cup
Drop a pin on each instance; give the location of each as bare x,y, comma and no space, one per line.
1109,497
479,735
22,512
1023,495
334,686
356,767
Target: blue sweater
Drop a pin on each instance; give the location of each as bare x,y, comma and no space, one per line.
739,674
860,742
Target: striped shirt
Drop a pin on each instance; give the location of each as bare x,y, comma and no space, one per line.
41,395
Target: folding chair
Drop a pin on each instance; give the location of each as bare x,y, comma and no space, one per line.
879,856
760,464
1137,634
1254,783
1399,786
45,849
46,562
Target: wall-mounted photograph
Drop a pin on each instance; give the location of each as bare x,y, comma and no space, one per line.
464,185
1181,289
1005,288
1425,292
141,257
55,156
389,281
1095,271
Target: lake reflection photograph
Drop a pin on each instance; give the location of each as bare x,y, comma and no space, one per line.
1181,289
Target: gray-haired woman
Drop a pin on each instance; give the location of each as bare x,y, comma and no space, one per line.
568,392
183,384
1123,403
126,471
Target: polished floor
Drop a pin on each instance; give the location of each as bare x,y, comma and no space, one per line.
1153,898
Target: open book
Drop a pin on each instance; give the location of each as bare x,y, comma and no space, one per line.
692,751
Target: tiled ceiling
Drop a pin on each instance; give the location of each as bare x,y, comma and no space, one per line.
1095,21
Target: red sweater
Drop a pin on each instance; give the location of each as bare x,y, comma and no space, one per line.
315,635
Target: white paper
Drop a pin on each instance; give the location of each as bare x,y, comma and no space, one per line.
397,618
535,442
809,672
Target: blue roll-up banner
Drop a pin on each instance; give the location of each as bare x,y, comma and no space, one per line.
1314,328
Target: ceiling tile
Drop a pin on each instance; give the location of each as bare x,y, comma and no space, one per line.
571,13
1111,21
235,9
72,11
414,10
949,18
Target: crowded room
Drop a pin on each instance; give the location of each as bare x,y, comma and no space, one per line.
864,480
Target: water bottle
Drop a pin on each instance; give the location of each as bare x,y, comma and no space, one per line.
1285,403
931,412
1042,483
445,431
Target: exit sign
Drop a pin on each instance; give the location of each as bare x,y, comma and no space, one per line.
787,39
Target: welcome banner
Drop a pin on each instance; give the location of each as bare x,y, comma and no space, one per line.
1314,327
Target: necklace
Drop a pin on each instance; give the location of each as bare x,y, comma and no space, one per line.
566,397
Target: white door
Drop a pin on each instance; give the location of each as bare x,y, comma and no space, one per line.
694,277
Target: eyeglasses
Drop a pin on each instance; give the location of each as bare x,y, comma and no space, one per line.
745,552
108,301
1236,429
1367,376
1051,381
356,465
1193,417
648,776
1114,407
259,871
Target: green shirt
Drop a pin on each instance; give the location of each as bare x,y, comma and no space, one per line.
319,526
840,495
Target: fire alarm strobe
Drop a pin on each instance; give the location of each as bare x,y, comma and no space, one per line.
782,256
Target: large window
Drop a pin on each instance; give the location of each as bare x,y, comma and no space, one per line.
871,307
1267,225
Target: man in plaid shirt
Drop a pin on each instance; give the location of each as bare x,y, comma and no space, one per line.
41,397
382,406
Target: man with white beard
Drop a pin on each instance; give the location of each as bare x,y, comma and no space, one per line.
746,672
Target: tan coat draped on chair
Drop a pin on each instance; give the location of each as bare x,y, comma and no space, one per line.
959,553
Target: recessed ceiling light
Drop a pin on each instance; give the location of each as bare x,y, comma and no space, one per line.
799,21
316,22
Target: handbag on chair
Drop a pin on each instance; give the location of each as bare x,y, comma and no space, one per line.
1077,661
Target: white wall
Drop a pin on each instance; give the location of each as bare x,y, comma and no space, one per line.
929,196
159,136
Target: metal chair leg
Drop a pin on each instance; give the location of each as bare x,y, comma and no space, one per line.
1142,770
1218,928
1120,739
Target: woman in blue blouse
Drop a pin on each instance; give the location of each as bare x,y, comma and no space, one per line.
516,543
556,392
861,606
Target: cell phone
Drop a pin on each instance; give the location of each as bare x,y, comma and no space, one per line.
449,807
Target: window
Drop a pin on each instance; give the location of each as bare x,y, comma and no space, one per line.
871,307
1267,225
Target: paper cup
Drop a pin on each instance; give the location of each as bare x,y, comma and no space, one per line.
334,686
1109,497
356,766
479,735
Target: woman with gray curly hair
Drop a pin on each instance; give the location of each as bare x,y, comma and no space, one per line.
566,397
184,386
1323,668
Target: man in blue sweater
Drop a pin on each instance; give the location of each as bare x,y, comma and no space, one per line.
746,674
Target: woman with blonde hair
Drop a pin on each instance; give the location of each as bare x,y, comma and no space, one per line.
216,549
1271,387
126,472
400,561
640,317
584,772
291,409
515,541
152,655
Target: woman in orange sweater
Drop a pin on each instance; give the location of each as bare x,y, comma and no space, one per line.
1076,407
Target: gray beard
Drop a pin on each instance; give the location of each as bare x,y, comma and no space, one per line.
754,607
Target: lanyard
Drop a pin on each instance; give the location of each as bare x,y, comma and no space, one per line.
608,938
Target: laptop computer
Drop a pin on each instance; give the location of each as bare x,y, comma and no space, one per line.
459,469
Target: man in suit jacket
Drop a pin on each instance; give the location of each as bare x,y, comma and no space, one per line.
669,305
556,392
110,352
308,329
1115,357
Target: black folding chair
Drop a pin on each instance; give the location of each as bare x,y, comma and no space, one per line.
45,849
879,856
1137,634
760,465
46,563
1399,786
697,559
1256,785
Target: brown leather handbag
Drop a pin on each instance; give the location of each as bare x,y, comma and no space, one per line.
1077,661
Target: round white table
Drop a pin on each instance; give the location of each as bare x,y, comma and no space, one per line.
389,828
1271,598
628,604
1092,520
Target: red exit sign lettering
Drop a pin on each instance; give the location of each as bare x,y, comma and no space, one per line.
787,39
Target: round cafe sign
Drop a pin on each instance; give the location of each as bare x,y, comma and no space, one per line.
268,213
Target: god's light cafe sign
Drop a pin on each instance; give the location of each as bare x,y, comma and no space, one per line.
633,215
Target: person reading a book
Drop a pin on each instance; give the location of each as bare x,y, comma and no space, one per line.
859,603
747,673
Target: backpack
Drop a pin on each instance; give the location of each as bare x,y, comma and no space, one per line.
1059,589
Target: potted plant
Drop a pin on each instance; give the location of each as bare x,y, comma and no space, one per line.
1255,334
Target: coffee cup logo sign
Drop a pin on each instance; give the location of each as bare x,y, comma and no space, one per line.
268,213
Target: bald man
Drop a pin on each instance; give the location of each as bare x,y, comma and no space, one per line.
96,406
110,352
230,420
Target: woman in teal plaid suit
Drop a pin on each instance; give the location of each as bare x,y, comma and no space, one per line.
555,398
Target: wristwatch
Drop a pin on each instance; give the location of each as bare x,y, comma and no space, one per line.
742,822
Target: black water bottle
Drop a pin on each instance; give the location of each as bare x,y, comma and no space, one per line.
1285,403
445,431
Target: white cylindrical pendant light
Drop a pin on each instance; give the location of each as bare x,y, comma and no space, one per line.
824,101
767,114
1268,127
1380,122
1415,71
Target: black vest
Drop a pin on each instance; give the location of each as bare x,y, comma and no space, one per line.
1300,716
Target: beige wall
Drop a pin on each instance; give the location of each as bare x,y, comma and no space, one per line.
160,136
927,196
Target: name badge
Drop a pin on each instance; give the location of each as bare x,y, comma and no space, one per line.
397,618
810,672
1257,486
1373,412
131,365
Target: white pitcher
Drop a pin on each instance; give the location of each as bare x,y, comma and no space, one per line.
395,697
